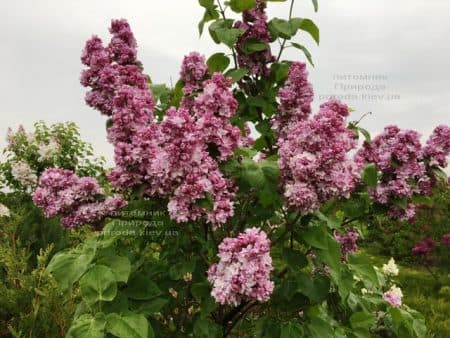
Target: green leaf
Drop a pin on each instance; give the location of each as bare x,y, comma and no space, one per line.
210,14
68,267
127,326
362,266
120,266
362,319
306,25
237,74
149,307
252,45
204,328
207,306
280,70
178,270
365,133
98,284
268,328
294,258
206,3
239,6
222,31
331,255
369,175
291,330
200,291
305,51
87,326
316,289
319,328
218,62
141,288
316,5
316,236
280,28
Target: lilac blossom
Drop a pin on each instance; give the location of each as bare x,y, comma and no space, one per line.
255,28
313,159
78,200
347,242
393,296
243,271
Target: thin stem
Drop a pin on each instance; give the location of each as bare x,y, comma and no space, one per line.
283,44
238,316
222,12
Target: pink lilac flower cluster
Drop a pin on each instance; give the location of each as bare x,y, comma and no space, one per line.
445,240
193,72
399,156
295,98
78,200
172,158
254,24
347,241
423,247
437,148
393,296
112,67
243,272
313,159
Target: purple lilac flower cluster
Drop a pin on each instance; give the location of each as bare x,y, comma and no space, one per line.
172,158
78,200
437,148
295,98
424,247
313,159
404,165
254,24
243,272
347,241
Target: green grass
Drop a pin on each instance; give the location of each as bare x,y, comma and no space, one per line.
423,293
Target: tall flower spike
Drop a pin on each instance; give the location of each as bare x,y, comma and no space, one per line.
313,159
295,98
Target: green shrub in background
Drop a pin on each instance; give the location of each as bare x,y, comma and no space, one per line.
396,238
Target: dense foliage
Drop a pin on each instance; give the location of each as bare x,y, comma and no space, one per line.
203,230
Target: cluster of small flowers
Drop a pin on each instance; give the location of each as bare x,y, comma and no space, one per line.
23,173
295,98
399,156
48,150
172,158
424,247
193,72
111,68
4,211
437,148
78,200
254,24
45,149
393,296
347,241
313,159
390,269
243,272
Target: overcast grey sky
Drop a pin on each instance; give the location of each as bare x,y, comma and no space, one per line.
404,43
